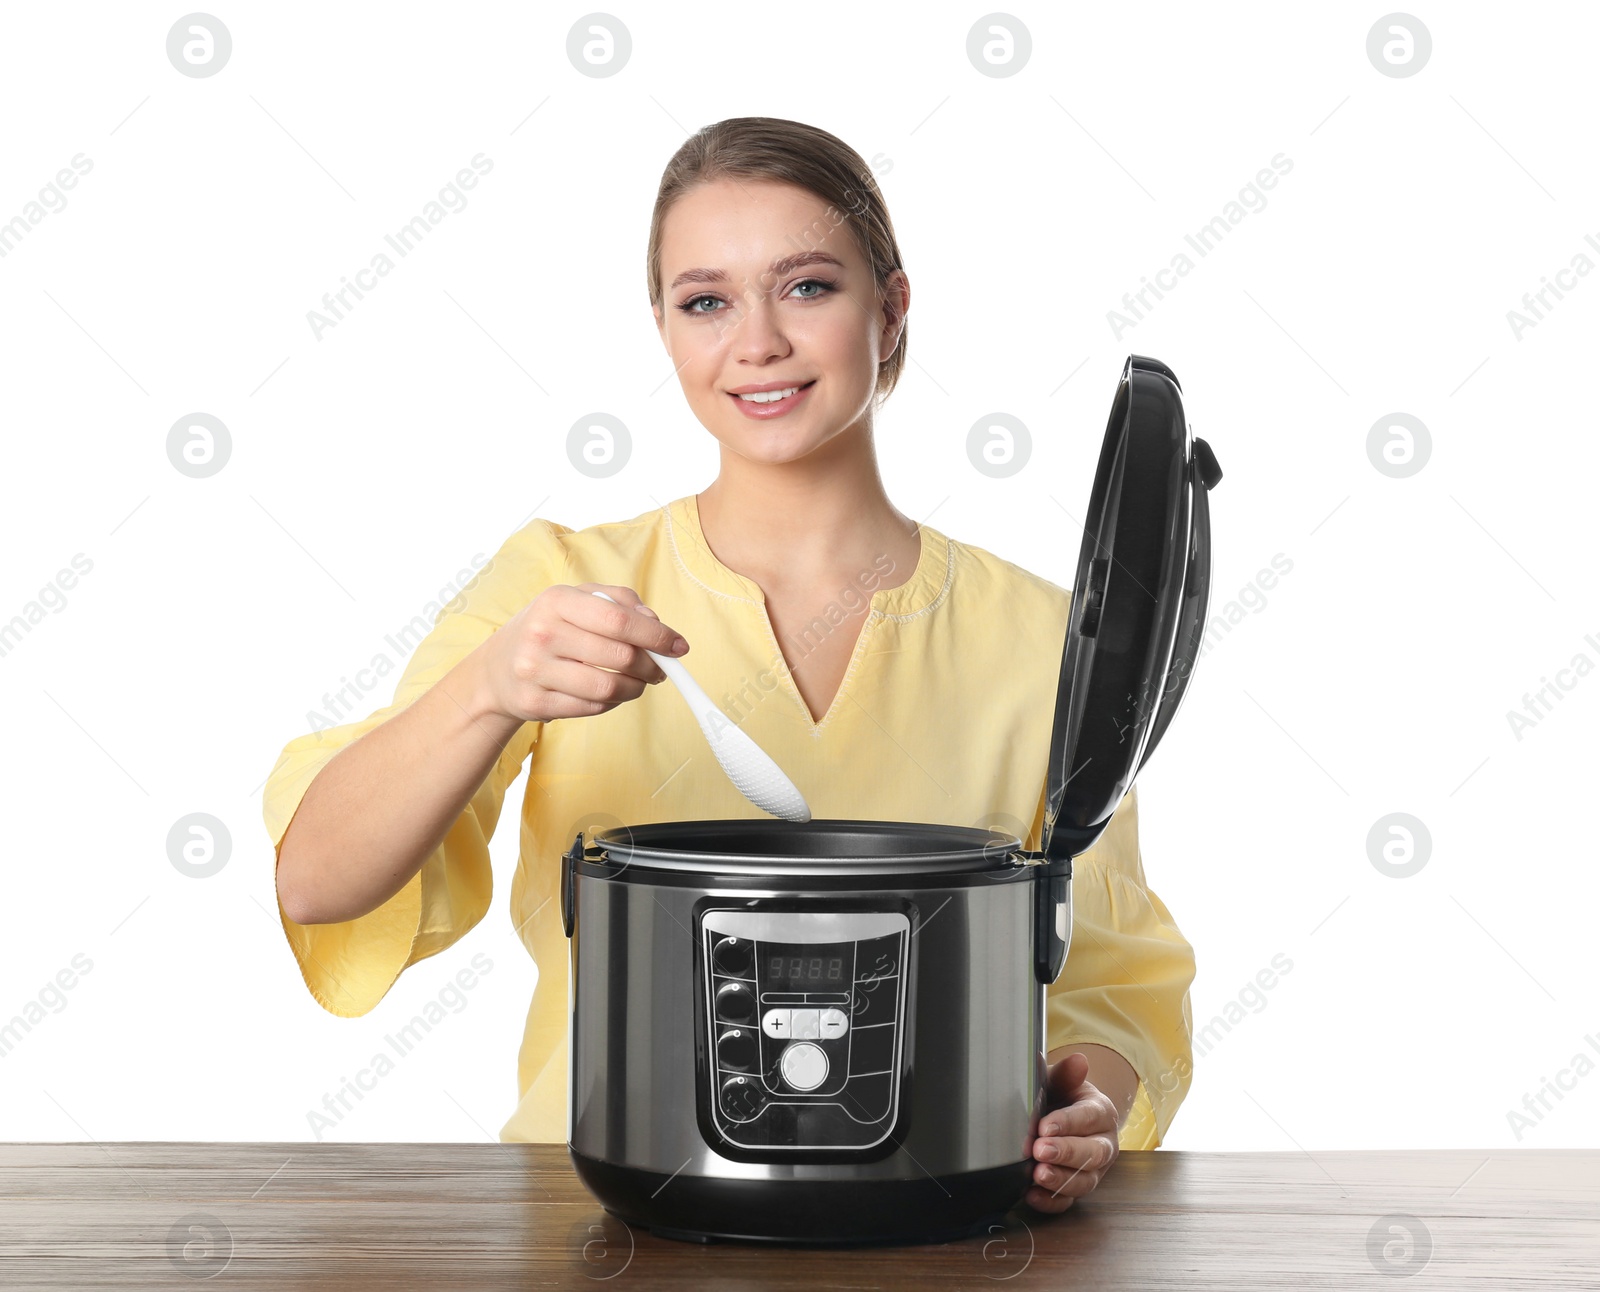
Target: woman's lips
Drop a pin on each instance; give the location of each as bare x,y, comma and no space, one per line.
777,408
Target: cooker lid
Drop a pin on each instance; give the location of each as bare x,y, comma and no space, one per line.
1138,605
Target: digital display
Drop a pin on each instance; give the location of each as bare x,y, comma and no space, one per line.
804,968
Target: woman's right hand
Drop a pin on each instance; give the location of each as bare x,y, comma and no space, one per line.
571,654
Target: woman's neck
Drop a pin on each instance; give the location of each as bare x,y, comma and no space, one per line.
810,523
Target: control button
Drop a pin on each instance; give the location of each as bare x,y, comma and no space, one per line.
775,1023
874,1002
804,1023
736,1048
877,957
868,1099
804,1066
833,1023
780,1127
732,956
735,1004
742,1099
872,1049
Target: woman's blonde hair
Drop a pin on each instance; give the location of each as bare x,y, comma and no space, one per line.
788,152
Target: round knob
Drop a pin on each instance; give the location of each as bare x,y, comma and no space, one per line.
732,956
735,1004
736,1048
742,1098
804,1066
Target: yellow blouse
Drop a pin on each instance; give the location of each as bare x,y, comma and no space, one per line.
944,716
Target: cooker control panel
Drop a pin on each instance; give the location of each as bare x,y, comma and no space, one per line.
803,1012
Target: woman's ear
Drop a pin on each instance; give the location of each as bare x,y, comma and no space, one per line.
896,305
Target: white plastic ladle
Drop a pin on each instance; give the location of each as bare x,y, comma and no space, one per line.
753,773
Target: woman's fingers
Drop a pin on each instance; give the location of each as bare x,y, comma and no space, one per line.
1076,1146
569,654
1091,1115
618,593
585,691
1043,1200
1056,1185
615,636
599,651
1081,1135
626,620
1076,1151
1054,1197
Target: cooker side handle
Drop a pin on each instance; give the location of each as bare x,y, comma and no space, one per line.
1052,924
569,883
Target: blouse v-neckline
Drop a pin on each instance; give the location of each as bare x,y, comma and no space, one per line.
927,587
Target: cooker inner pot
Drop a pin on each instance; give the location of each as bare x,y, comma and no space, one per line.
816,846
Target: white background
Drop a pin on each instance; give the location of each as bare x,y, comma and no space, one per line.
370,465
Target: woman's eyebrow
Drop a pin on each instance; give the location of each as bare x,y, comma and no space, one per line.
779,267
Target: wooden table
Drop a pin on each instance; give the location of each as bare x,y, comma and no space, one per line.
352,1216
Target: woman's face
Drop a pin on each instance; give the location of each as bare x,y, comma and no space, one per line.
763,285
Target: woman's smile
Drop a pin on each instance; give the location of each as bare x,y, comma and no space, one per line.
763,405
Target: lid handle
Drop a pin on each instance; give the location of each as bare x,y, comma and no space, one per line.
1210,468
1094,596
569,883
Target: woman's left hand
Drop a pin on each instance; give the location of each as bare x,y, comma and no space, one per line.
1078,1137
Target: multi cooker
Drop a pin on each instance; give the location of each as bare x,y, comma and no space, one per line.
833,1031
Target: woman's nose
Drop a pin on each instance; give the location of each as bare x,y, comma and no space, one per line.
757,332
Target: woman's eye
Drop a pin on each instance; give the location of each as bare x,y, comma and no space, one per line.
691,306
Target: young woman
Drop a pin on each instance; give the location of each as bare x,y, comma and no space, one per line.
856,646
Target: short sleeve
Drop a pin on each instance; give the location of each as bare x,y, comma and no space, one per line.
1125,984
350,966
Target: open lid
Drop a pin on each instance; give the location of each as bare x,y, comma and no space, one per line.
1138,605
